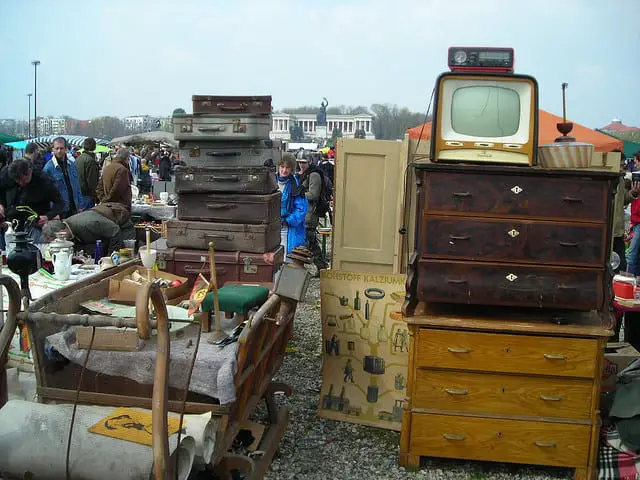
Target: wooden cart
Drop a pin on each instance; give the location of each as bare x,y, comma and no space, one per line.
260,354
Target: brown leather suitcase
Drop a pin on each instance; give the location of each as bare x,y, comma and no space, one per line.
224,105
226,236
258,180
263,153
230,266
230,207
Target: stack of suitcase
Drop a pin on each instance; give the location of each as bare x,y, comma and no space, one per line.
227,192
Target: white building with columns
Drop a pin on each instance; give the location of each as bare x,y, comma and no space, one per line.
347,124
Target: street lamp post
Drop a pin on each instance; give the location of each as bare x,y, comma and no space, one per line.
35,64
29,124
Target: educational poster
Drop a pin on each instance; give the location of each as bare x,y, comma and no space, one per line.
365,348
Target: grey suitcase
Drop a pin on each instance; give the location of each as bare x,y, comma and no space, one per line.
230,154
256,180
215,127
226,236
230,207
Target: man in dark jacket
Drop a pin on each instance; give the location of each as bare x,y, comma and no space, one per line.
86,228
88,173
20,186
311,181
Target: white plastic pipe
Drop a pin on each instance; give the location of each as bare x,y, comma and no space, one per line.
33,438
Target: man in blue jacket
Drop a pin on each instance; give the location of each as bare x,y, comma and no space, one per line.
64,174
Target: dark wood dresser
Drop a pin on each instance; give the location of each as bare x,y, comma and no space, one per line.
512,236
508,306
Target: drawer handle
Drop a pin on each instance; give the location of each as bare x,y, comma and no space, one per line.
459,350
552,356
462,194
542,444
572,200
454,437
456,391
568,244
459,237
455,281
550,398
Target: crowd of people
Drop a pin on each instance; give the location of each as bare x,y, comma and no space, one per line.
62,189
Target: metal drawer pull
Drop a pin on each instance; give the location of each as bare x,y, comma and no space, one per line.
454,281
568,244
456,391
546,444
461,194
455,437
550,398
459,237
551,356
459,350
572,199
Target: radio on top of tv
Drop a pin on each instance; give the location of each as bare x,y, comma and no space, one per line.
484,113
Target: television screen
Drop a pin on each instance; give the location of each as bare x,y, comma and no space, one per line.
485,111
485,118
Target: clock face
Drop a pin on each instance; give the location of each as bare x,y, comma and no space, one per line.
460,56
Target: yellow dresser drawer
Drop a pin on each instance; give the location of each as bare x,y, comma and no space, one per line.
502,394
505,353
557,444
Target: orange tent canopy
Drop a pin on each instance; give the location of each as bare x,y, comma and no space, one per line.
547,133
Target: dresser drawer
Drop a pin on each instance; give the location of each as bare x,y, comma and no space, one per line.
504,353
558,444
486,283
517,241
502,394
522,195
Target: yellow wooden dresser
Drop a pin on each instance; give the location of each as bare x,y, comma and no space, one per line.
496,384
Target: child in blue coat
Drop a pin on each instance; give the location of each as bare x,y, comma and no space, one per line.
293,208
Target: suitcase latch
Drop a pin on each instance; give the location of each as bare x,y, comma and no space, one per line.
248,265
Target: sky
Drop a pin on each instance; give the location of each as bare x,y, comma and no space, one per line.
131,57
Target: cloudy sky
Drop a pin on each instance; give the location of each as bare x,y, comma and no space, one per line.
126,57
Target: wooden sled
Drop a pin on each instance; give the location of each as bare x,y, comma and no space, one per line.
260,354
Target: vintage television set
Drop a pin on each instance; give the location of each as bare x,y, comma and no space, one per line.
484,113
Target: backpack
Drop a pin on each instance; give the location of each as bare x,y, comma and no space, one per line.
324,202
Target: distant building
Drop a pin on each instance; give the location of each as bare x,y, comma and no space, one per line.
616,126
347,124
51,126
141,123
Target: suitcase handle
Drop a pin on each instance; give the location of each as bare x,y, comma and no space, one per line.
218,235
230,178
220,206
242,106
211,129
219,271
223,154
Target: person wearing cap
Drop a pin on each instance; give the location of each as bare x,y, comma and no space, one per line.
88,173
311,181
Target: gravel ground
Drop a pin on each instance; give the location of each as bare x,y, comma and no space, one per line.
317,448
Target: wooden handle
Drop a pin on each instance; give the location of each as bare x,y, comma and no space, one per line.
213,286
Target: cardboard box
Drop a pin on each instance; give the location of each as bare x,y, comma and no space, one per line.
122,291
617,357
108,338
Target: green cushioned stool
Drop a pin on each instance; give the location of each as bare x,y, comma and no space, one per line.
238,299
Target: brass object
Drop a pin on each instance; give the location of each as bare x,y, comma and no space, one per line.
551,356
459,350
455,437
456,391
550,398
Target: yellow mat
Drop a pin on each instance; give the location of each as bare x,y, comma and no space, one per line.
132,426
